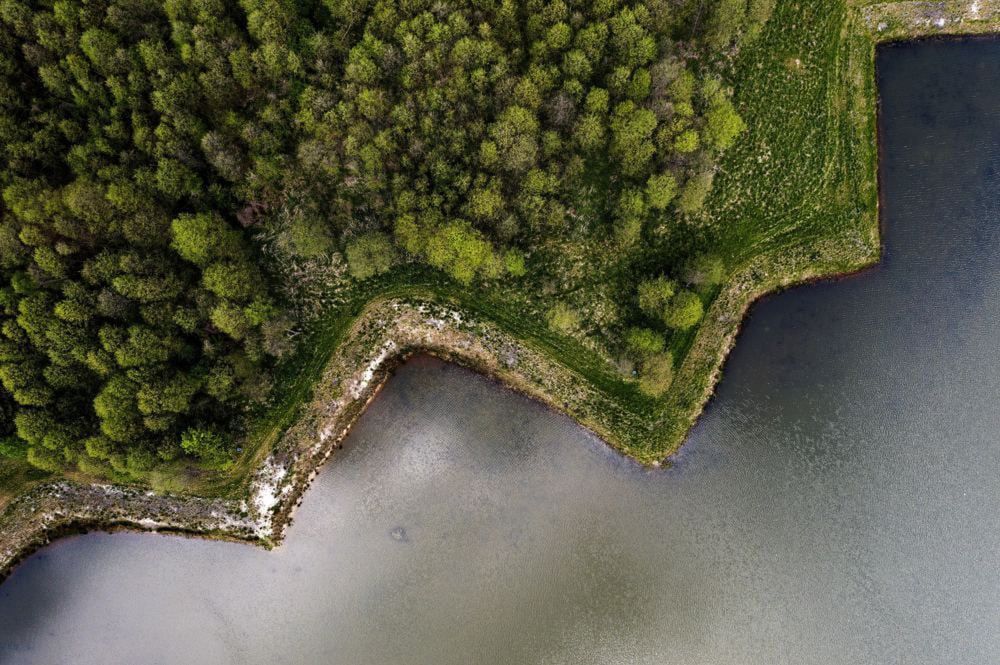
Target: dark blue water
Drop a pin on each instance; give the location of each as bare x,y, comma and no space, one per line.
839,503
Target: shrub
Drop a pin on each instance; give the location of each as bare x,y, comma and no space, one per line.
644,342
684,311
704,270
310,238
205,444
657,374
696,191
14,448
563,318
45,459
369,255
514,263
654,294
661,190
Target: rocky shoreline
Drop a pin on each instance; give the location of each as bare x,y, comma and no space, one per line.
888,21
57,509
382,337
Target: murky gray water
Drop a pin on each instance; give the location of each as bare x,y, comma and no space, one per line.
838,504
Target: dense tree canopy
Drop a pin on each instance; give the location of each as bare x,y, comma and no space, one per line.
132,304
144,142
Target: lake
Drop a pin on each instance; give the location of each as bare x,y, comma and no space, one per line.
838,503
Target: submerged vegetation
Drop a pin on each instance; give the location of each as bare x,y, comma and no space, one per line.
199,197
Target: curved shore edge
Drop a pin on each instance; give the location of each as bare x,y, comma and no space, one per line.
384,335
390,330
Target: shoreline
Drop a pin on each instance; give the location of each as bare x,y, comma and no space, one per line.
349,383
389,331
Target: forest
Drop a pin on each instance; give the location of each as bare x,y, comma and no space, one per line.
175,174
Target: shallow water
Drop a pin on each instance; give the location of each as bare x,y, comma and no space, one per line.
837,504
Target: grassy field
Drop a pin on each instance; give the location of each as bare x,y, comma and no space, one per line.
795,200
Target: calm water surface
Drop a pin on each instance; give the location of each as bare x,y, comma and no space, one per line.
838,504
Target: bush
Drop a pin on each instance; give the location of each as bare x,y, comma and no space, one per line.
45,459
684,311
704,270
13,448
369,255
205,444
563,318
657,374
643,342
514,263
654,294
139,460
696,191
310,238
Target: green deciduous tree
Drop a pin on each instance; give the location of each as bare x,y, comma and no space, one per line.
459,250
631,138
725,23
515,134
683,311
704,270
722,124
643,342
657,374
204,237
369,255
660,190
695,192
654,294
